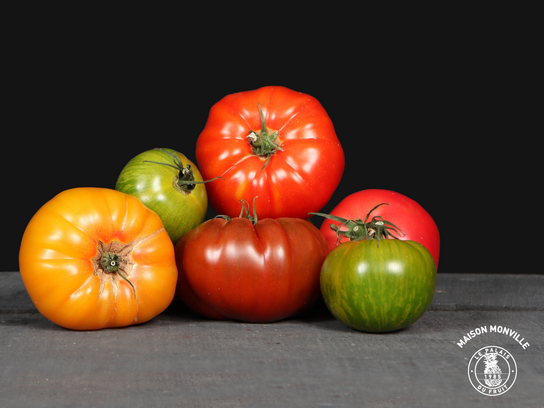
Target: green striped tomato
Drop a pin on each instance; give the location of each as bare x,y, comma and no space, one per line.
170,184
378,286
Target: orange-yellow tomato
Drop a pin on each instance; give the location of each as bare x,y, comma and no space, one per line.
93,258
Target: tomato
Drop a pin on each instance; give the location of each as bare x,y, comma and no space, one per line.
92,258
250,271
412,219
171,185
274,143
378,287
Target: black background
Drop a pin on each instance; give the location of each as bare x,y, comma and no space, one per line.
442,104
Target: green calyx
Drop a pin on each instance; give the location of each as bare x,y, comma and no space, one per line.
185,179
356,230
110,263
262,142
245,213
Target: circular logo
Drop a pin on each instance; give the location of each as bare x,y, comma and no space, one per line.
492,370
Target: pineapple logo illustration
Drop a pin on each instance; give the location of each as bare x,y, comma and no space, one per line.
492,371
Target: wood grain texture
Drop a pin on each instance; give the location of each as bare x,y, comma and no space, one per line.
182,360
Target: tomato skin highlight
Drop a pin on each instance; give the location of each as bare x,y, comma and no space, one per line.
296,180
154,185
410,217
260,272
381,288
58,260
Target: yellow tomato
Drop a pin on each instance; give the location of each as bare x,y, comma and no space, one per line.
93,258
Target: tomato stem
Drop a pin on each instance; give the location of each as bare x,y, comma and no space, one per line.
185,178
110,263
262,143
377,228
245,210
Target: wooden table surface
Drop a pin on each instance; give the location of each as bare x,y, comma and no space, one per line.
182,360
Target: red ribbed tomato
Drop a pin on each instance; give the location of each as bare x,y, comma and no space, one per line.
274,143
255,272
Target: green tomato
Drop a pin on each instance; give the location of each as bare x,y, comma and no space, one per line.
169,184
378,286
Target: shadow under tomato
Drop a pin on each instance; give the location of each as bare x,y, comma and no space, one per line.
180,312
320,316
